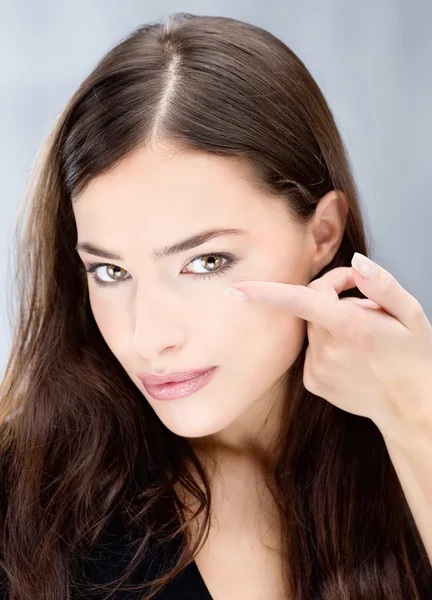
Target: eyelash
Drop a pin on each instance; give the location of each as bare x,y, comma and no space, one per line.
232,260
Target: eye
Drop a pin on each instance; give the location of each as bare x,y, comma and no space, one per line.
213,262
92,268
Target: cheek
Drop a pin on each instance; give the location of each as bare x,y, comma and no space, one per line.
286,335
269,347
111,323
247,332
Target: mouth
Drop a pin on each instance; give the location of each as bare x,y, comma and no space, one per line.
171,377
180,389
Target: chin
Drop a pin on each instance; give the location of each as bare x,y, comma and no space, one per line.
190,428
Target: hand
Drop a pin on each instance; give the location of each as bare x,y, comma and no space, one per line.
371,357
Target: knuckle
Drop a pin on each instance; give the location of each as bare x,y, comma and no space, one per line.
417,309
349,323
389,284
315,285
357,328
297,306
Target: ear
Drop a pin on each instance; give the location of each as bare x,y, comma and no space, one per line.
327,228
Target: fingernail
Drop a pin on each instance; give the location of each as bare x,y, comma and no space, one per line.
235,294
363,265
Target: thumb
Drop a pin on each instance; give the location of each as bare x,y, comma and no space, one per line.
362,302
381,287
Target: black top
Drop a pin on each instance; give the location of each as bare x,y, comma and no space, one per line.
108,560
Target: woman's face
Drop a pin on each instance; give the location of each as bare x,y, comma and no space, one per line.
166,314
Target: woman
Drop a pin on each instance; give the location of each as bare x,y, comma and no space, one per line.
240,483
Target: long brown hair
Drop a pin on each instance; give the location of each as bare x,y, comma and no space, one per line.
79,443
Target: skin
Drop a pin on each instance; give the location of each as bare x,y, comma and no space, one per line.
164,318
160,316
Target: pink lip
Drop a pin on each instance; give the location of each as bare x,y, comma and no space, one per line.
170,391
173,377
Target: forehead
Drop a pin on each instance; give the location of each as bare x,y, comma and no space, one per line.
163,194
158,175
163,181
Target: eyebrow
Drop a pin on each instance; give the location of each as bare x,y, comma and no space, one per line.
187,244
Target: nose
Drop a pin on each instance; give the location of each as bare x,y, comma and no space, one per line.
158,327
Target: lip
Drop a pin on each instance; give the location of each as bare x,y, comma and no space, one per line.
172,377
180,389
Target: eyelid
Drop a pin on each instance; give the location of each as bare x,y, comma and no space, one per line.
228,256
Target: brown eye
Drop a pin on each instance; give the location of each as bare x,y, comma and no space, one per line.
207,262
212,264
113,270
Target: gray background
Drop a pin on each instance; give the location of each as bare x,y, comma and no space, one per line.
372,60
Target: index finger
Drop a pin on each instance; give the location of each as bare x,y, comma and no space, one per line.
299,300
